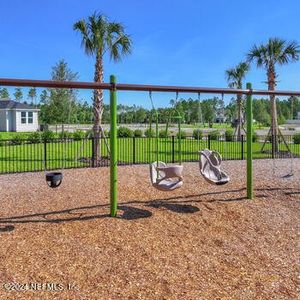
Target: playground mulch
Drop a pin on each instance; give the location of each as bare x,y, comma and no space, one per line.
199,242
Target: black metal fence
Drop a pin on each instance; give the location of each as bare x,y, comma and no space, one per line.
27,155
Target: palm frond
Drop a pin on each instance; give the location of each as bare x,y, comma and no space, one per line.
258,54
114,52
275,51
119,45
290,53
232,85
231,77
86,41
125,44
243,68
235,75
99,35
114,31
115,28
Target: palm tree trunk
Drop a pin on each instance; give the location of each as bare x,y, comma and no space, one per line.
274,122
98,110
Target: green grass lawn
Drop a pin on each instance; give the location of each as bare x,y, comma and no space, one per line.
10,135
30,157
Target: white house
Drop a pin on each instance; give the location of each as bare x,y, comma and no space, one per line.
16,116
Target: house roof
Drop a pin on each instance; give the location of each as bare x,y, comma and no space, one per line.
11,104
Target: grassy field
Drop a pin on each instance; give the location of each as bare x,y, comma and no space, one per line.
10,135
31,157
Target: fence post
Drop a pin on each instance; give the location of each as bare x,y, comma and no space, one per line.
242,147
173,149
113,149
133,150
208,142
93,152
249,111
45,153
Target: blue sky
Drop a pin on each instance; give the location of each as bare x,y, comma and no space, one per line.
174,42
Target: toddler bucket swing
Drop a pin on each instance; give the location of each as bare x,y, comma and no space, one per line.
54,179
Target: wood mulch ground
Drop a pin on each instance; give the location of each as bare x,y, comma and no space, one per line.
199,242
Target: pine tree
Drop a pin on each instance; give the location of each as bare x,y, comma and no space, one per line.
18,94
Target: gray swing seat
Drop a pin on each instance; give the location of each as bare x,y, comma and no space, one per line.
166,178
210,167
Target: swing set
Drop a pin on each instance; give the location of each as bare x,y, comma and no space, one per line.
161,174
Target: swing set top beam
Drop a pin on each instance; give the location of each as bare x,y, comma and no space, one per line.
139,87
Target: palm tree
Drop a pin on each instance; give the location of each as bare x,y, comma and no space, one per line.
275,52
234,77
100,37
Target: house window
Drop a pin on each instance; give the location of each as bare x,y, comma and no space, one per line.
30,117
23,117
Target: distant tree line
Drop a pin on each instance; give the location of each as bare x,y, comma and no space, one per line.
209,111
59,106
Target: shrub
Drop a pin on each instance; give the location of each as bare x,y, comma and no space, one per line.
214,135
197,134
297,138
48,135
78,135
164,134
34,137
89,133
229,135
106,133
254,137
181,135
125,132
65,135
138,133
149,133
17,139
